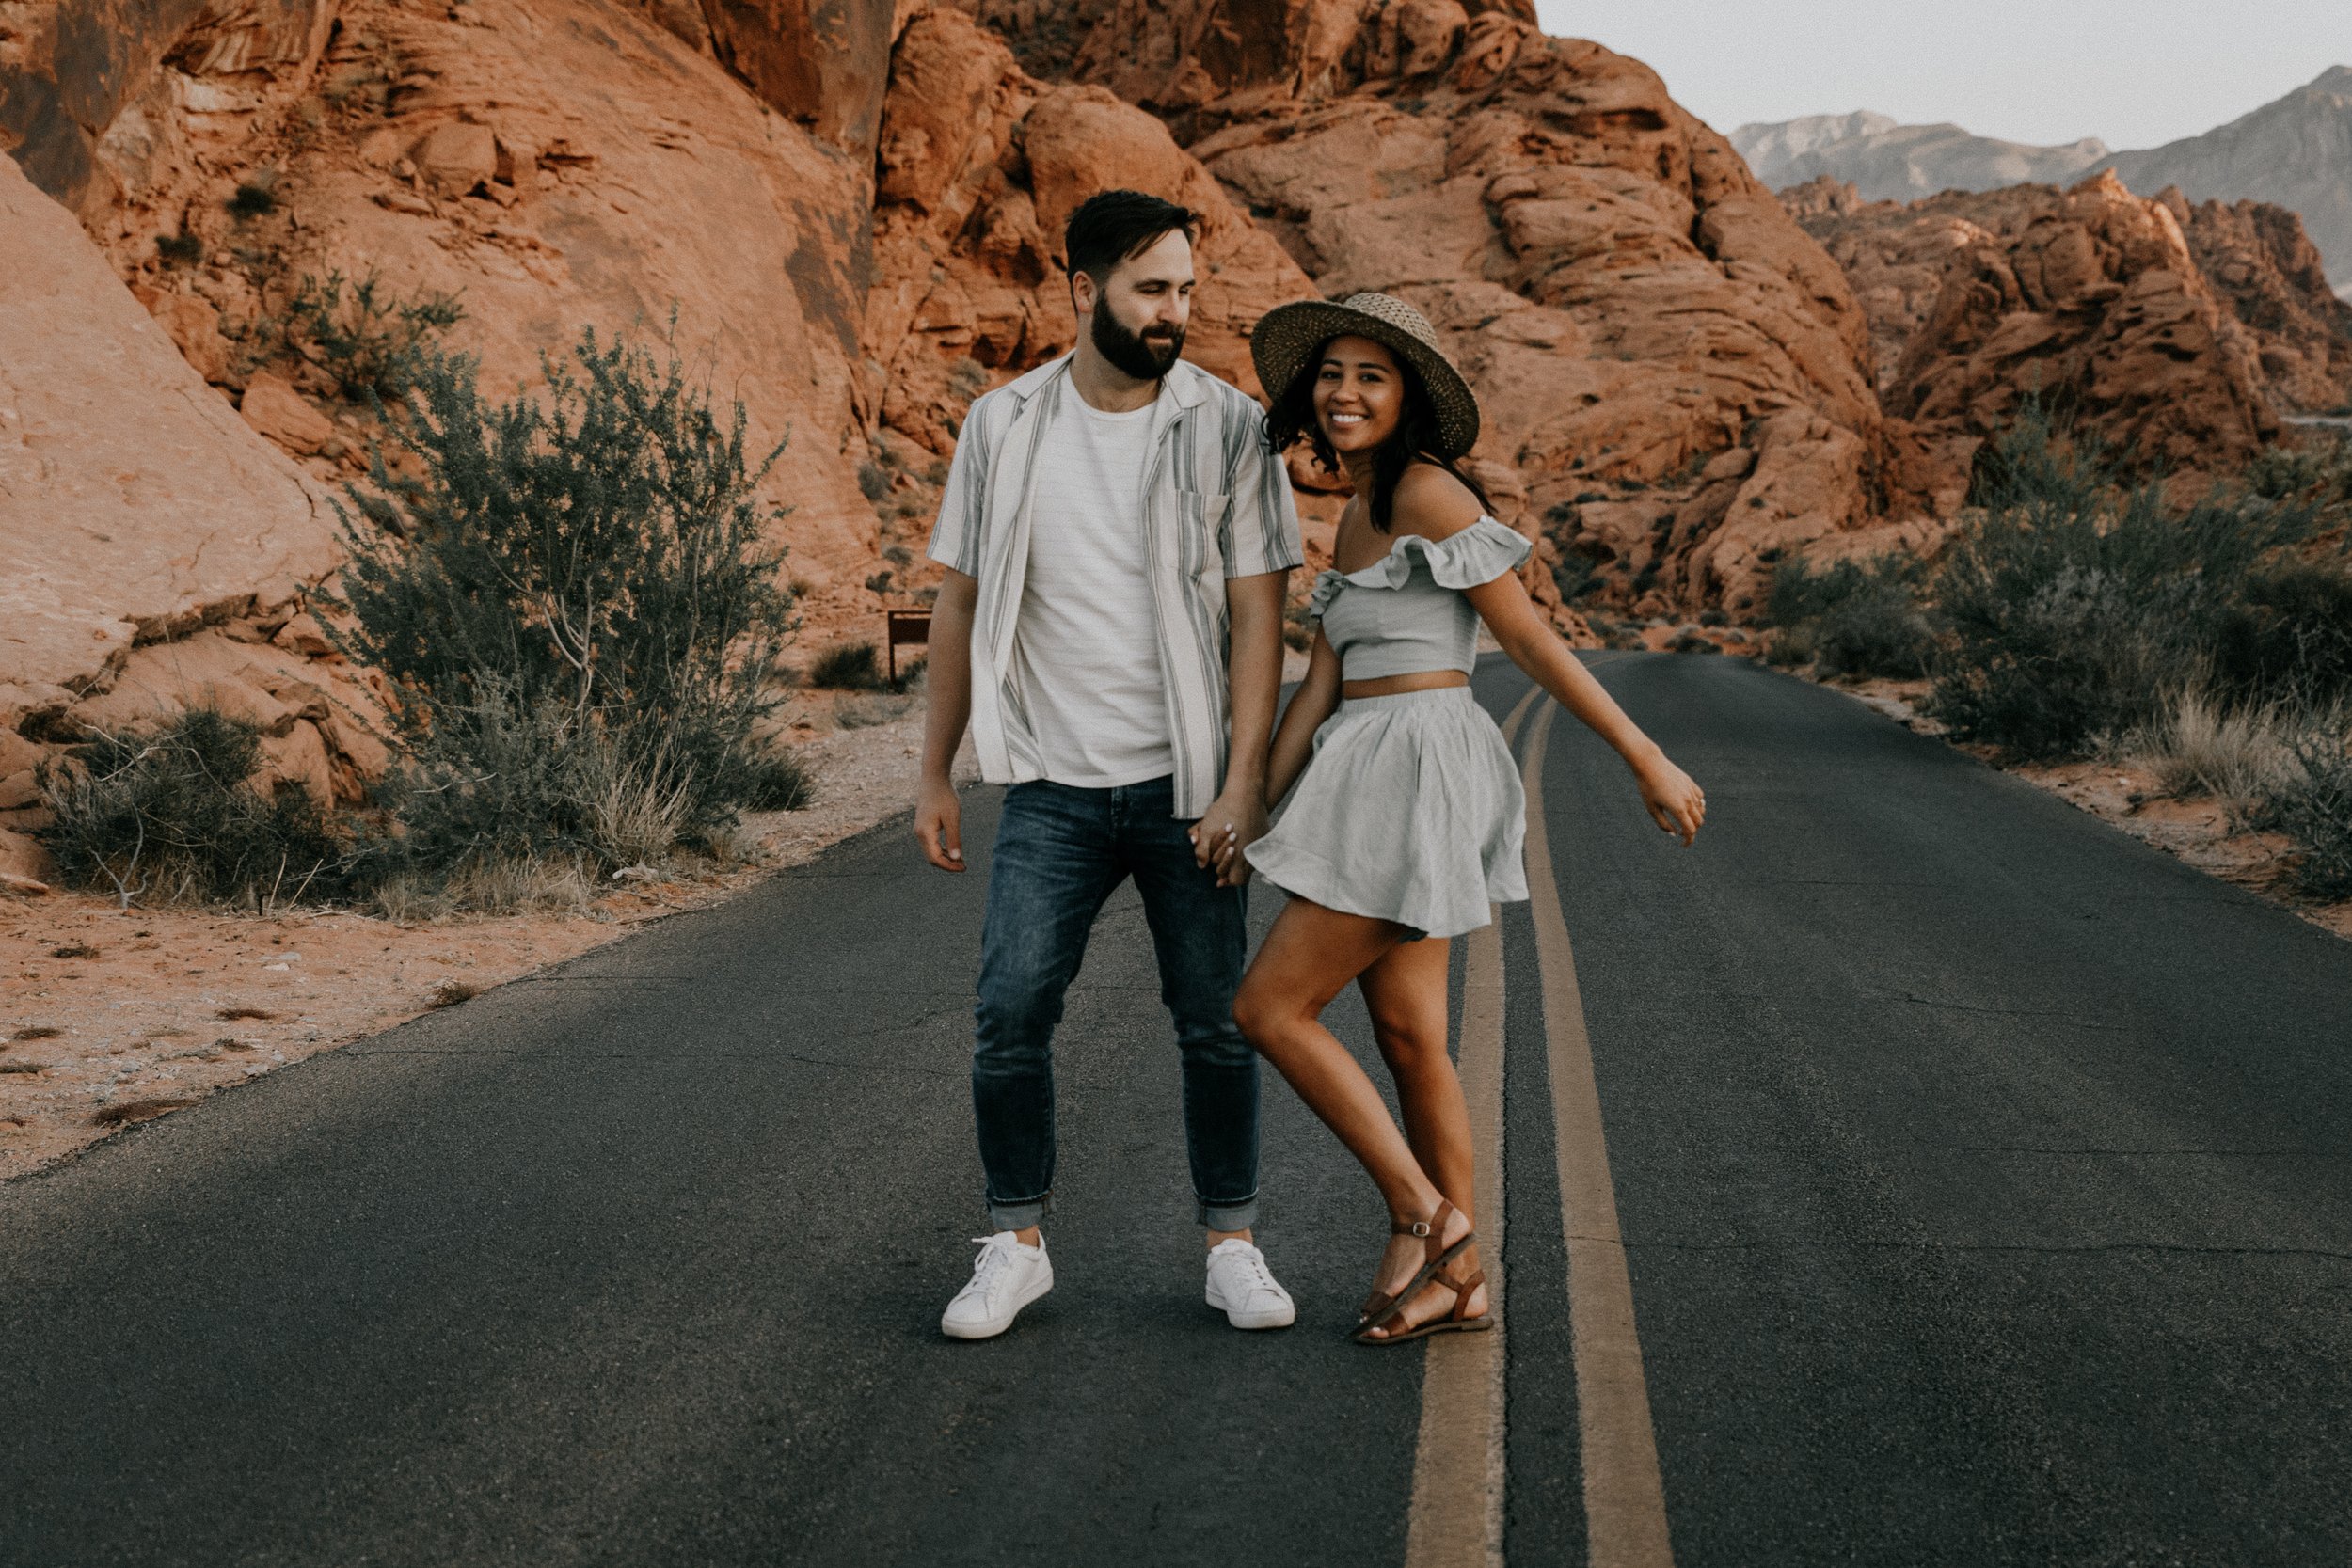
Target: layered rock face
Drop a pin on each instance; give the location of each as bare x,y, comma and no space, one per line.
2090,296
1631,305
551,165
981,168
2266,268
114,108
153,550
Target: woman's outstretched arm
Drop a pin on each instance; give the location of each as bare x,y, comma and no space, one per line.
1674,802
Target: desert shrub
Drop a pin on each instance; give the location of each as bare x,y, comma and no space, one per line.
2312,803
847,667
180,250
2290,634
578,612
173,816
1574,574
2316,467
255,197
373,344
1850,619
2078,605
780,781
1791,647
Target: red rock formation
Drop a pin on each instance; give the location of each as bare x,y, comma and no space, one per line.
825,63
1629,302
2277,319
2090,296
151,544
2257,256
112,107
980,169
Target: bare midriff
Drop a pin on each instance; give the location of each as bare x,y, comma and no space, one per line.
1391,686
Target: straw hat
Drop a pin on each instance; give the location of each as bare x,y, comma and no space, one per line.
1288,336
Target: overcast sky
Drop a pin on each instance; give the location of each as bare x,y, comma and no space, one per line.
2132,73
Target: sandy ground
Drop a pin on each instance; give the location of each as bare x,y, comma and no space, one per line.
109,1016
2196,830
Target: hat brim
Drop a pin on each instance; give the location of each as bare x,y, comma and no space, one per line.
1288,337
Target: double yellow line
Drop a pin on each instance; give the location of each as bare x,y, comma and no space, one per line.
1459,1470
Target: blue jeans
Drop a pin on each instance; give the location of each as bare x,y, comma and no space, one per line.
1061,851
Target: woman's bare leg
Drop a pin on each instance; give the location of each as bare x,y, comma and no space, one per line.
1406,992
1309,958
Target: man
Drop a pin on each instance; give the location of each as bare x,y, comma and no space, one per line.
1116,540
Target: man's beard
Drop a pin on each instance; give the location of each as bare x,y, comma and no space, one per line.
1144,356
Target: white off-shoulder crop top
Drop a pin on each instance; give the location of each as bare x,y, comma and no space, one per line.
1406,612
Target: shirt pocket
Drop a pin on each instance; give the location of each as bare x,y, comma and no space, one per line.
1200,533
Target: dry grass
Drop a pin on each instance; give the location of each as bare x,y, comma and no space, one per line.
234,1013
37,1031
2239,757
548,885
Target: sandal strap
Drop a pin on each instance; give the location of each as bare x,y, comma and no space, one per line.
1431,1229
1461,1289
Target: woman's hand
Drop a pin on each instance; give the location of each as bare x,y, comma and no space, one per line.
1673,798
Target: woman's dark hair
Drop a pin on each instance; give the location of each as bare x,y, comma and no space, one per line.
1415,439
1111,225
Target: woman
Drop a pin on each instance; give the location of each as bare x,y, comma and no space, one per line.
1408,820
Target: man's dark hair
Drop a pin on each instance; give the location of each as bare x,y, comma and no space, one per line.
1110,226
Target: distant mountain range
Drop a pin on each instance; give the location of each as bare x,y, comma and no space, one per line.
1889,161
2297,153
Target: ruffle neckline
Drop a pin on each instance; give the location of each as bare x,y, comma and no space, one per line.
1479,553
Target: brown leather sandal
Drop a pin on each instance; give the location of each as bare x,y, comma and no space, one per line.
1379,1309
1453,1323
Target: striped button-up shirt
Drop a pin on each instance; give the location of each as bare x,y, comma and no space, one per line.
1215,505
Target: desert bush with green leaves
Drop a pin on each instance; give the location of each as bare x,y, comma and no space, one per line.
577,614
2080,604
1850,618
370,341
578,611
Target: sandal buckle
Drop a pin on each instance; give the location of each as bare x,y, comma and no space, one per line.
1419,1228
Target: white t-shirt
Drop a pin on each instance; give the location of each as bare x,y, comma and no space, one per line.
1085,645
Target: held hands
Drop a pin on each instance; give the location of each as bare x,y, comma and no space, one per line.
1230,826
1674,800
939,824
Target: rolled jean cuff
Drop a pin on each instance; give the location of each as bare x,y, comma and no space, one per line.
1240,1215
1020,1215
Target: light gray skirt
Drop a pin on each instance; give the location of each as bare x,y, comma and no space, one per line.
1410,811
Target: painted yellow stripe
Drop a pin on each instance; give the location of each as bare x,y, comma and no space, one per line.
1457,1515
1624,1500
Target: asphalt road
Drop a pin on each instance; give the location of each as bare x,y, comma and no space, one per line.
1983,1177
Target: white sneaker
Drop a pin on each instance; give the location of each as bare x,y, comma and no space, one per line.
1006,1277
1242,1288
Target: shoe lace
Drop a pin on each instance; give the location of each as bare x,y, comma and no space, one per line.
1250,1262
995,1253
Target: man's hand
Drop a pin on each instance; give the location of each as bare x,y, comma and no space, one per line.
939,824
1232,823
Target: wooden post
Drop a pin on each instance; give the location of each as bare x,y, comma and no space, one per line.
904,626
